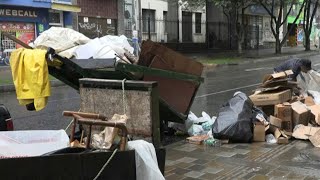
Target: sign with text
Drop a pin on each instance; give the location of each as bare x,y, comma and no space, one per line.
18,13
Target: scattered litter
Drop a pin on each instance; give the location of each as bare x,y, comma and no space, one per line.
271,139
199,139
199,126
304,132
213,142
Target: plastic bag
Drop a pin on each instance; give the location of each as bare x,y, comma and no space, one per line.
60,39
309,81
31,143
271,139
234,121
195,130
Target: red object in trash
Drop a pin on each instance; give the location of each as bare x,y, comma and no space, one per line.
9,124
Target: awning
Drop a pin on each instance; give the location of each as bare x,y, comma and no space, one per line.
65,7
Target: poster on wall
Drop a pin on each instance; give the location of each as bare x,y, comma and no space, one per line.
23,31
25,37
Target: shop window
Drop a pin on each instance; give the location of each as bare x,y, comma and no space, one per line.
198,23
56,18
148,13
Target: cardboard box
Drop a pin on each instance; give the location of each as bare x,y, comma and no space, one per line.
283,111
282,140
315,139
300,115
281,136
279,123
315,110
271,98
259,132
268,110
309,101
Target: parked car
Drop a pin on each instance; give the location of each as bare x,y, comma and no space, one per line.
6,123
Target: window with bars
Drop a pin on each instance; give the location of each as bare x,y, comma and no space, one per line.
146,14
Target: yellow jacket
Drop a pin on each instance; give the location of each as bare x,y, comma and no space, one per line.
31,76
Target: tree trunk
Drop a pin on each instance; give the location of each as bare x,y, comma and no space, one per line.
278,45
307,37
240,46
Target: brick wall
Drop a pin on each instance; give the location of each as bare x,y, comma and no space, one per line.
102,8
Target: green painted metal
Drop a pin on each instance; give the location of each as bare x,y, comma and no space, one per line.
158,72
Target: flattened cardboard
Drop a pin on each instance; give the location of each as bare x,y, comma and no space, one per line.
259,132
197,139
271,98
300,115
315,139
315,110
304,132
277,75
309,101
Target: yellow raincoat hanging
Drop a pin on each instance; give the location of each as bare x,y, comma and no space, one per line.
31,76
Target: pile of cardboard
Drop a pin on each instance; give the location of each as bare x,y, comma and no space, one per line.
290,115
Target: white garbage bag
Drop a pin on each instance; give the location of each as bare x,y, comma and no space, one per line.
60,39
309,81
31,143
104,48
146,160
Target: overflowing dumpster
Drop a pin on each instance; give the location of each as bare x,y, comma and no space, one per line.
167,80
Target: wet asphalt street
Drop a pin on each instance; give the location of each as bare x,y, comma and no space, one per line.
220,84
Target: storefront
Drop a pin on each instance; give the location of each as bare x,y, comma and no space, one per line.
22,22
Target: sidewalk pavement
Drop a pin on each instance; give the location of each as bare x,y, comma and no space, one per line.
256,161
257,55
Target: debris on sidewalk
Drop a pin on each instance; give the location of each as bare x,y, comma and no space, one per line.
276,112
234,120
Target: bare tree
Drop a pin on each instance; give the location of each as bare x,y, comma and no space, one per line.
310,10
278,18
234,10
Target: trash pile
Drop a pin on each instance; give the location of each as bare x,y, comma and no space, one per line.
72,44
278,110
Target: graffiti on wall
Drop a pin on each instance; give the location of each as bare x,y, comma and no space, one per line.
97,27
267,33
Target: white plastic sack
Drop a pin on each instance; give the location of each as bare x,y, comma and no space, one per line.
146,160
60,39
31,143
195,130
104,48
192,118
309,81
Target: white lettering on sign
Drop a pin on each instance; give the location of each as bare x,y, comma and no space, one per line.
19,13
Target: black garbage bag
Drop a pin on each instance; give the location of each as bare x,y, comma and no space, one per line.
258,114
234,121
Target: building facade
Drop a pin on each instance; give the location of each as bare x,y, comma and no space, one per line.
99,17
257,31
26,19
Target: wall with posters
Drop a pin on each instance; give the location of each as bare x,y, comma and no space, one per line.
25,23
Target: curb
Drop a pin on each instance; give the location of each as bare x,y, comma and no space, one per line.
247,60
11,88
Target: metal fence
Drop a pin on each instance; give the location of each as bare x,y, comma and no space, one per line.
216,35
